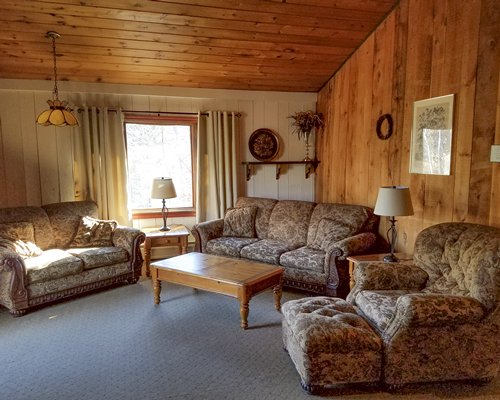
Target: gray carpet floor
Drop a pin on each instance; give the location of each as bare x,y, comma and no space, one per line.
116,344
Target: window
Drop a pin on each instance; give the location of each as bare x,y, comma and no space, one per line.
160,147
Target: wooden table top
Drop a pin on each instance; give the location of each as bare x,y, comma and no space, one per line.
230,270
175,230
379,257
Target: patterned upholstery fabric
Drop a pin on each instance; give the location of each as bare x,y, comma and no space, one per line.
264,209
266,250
240,222
329,343
44,236
52,264
54,273
18,230
448,326
285,226
330,231
19,237
355,216
387,276
65,218
461,259
125,237
93,232
228,246
86,277
100,256
379,306
304,258
289,222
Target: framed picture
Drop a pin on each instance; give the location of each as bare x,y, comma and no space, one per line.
431,136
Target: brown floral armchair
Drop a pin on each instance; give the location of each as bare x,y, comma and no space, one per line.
439,317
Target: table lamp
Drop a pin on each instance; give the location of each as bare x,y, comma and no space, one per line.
393,201
163,188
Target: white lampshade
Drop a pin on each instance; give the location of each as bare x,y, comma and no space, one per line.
163,188
393,201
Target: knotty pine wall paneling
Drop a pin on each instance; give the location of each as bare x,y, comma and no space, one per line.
423,49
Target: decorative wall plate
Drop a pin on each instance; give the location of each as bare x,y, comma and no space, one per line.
264,144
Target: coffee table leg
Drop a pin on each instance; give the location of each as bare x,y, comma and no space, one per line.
244,309
277,297
156,290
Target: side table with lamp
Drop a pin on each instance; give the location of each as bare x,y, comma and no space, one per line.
176,235
392,201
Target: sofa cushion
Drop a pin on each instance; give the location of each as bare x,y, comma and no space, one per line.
94,233
240,222
304,258
379,306
359,218
264,209
289,222
19,237
95,257
43,234
52,264
331,231
65,218
266,250
228,246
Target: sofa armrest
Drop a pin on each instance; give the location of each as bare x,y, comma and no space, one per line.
357,244
130,239
429,309
205,231
387,276
13,293
336,266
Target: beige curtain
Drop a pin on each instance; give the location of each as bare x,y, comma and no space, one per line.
216,184
100,166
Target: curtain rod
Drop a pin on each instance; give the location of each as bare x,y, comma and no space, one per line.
159,112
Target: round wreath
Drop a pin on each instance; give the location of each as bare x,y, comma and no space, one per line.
390,125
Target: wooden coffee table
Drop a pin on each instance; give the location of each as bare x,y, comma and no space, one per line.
233,277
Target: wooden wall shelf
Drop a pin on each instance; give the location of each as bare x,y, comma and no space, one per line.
310,166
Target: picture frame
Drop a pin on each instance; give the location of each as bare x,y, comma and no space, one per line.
431,136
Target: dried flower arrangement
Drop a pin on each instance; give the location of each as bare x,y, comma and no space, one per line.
305,121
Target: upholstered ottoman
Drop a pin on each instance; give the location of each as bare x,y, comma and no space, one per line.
329,343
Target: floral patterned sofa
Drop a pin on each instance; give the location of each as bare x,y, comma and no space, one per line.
311,241
439,318
59,250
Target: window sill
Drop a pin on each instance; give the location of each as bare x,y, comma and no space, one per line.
179,213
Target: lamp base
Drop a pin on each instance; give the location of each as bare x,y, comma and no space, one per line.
390,258
164,228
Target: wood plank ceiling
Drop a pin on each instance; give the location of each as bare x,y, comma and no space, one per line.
285,45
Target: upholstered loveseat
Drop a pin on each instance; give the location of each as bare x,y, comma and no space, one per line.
59,250
310,240
438,317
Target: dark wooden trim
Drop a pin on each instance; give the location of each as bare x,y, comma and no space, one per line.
157,214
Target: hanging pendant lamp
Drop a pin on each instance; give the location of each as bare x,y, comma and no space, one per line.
59,113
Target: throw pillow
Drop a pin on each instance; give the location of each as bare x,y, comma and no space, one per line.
330,231
94,232
240,222
19,237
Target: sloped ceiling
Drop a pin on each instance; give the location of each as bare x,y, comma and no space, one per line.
288,45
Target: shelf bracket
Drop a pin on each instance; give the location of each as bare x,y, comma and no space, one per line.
310,167
249,171
278,171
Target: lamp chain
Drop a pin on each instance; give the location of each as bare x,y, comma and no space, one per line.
56,92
